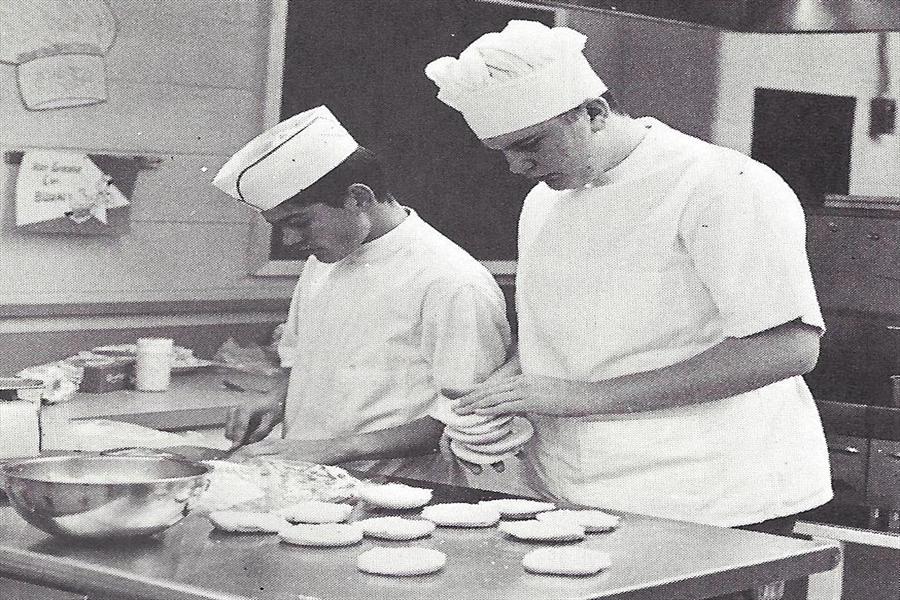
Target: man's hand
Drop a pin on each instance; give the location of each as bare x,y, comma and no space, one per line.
253,421
523,394
256,415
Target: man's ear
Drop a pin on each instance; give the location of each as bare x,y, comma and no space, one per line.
598,112
359,197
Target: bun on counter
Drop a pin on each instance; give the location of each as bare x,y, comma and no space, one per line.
314,511
245,521
538,531
518,508
593,521
566,561
461,514
396,528
401,562
394,495
322,535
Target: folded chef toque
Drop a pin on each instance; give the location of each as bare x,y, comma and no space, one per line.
286,159
527,73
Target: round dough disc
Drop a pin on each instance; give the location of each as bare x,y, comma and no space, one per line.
245,521
593,521
322,535
538,531
566,561
501,423
461,514
521,432
314,511
471,438
396,528
401,562
445,414
518,508
395,495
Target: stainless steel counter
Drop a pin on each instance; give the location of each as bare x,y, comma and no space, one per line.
651,559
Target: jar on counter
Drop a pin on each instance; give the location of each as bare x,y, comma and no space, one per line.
153,370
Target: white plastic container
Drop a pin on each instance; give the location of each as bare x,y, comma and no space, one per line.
153,371
20,404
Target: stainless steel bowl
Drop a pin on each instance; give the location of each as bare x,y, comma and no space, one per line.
97,496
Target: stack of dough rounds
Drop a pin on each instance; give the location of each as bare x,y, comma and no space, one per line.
518,431
395,496
518,508
314,511
573,560
467,423
539,531
593,521
401,561
461,514
323,535
396,528
245,521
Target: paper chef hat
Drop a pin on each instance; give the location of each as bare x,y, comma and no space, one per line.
516,78
286,159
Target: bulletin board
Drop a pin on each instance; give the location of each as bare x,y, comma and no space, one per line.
366,60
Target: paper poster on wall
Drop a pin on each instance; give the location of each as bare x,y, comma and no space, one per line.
55,186
58,49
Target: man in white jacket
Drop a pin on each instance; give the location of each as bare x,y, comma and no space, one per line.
666,307
386,313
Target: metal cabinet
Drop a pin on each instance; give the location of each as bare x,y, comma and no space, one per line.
883,484
849,457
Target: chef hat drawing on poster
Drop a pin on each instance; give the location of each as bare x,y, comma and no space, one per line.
58,48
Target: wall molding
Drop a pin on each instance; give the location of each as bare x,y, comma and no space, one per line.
145,308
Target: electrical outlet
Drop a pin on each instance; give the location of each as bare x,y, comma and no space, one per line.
883,113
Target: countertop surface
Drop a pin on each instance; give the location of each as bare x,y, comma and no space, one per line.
651,558
193,400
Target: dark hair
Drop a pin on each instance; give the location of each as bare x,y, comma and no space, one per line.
360,167
612,101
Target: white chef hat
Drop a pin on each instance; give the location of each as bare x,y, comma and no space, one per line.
286,159
517,77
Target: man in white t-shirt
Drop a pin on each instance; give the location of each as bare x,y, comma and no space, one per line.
387,311
666,307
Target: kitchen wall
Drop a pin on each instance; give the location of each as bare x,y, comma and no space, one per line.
702,80
185,85
838,64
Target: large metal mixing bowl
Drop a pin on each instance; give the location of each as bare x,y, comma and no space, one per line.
97,496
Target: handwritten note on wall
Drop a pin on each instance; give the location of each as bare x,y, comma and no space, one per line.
63,185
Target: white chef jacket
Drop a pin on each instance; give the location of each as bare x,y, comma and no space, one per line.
687,244
373,338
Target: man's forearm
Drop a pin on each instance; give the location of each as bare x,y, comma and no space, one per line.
421,436
734,366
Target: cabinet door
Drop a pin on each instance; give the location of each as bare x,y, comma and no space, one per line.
849,457
884,474
13,589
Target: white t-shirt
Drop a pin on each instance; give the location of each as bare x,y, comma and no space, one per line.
687,244
373,338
